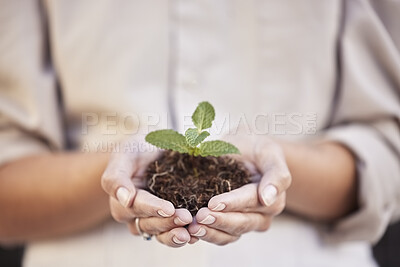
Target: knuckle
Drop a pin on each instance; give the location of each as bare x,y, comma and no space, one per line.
211,238
222,243
242,227
141,210
117,216
132,213
276,209
264,225
122,172
280,207
107,182
226,241
146,227
150,227
263,228
286,179
221,222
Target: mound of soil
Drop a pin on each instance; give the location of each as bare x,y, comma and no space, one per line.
190,182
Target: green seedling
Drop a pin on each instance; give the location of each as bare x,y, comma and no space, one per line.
192,142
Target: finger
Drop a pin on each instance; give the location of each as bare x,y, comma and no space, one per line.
155,225
244,198
119,212
193,240
139,182
211,235
177,237
233,223
116,179
146,204
276,175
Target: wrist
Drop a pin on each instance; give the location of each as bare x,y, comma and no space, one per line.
324,179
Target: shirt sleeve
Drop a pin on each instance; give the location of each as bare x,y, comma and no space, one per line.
367,115
29,113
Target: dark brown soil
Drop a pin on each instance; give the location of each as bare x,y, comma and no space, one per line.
190,182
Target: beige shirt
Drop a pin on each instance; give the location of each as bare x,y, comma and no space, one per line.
334,63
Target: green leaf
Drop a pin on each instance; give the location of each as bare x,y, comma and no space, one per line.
203,116
217,148
193,137
168,139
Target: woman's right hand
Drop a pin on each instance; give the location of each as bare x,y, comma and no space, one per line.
127,202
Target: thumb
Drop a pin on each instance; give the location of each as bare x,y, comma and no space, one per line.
276,177
117,178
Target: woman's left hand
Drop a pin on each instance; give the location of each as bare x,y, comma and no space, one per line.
253,206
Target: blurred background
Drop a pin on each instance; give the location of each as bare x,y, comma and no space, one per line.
386,252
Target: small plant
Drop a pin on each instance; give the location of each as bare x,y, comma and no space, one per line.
192,143
184,173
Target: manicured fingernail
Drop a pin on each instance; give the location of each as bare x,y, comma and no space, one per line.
269,195
178,221
208,220
163,214
219,207
201,232
177,241
123,196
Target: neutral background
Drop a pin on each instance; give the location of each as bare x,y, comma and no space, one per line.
386,252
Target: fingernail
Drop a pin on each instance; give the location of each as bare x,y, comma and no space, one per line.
177,241
163,214
208,220
219,207
123,196
178,221
269,195
201,232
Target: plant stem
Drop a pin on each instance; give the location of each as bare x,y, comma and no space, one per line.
195,172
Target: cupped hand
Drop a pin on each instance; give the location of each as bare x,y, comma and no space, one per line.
123,180
253,206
